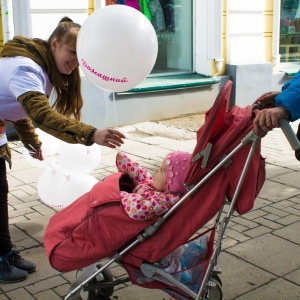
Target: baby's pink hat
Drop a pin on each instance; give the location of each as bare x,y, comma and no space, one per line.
177,163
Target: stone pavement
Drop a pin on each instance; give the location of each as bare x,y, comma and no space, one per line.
261,249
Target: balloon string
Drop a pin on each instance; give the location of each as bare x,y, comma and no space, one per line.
51,165
34,151
115,115
115,111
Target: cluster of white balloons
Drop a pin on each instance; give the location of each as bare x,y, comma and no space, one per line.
65,177
117,47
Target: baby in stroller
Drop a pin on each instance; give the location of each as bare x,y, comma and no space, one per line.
153,195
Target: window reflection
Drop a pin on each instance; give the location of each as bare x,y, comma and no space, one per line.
290,31
172,21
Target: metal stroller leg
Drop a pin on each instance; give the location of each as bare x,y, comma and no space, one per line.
250,137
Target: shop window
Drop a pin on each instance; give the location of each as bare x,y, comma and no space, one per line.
289,47
173,23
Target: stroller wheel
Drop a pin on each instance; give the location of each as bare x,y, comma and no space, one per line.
215,292
217,278
93,290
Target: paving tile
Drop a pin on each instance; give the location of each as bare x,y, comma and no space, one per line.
20,293
16,233
275,211
236,235
134,292
290,233
277,289
30,190
62,290
267,253
260,230
239,277
228,242
293,277
267,223
33,215
27,204
272,217
26,243
13,182
290,179
35,227
48,294
19,194
21,212
243,221
44,209
26,176
252,215
270,191
46,284
17,219
290,219
273,170
260,203
293,210
283,204
14,201
239,228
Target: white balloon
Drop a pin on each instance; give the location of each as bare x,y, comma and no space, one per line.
50,144
50,185
117,47
75,187
79,159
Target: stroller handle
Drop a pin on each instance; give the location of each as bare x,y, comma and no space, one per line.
289,133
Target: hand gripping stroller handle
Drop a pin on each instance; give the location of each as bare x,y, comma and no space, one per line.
289,133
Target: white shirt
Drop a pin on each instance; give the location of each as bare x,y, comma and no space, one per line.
19,75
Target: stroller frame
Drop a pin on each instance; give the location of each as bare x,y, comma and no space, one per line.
210,279
150,269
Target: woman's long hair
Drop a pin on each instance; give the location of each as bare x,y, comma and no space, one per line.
69,101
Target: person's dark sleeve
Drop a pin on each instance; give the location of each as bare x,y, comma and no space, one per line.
36,106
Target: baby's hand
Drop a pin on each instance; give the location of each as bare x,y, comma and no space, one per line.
121,161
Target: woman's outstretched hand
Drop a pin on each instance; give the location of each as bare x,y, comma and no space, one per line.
108,137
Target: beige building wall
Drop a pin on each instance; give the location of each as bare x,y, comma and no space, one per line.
268,30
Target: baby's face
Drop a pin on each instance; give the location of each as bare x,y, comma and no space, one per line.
160,177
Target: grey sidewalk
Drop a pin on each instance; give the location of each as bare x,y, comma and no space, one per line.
261,250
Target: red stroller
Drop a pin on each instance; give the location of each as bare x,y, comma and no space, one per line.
226,171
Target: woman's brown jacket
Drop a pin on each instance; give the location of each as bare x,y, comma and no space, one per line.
36,105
